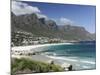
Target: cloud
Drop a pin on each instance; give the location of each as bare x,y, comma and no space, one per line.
65,21
39,15
20,8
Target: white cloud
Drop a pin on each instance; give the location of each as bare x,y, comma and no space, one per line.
65,21
20,8
39,15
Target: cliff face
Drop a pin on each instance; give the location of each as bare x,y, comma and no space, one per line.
48,28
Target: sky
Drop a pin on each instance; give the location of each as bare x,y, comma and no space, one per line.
62,14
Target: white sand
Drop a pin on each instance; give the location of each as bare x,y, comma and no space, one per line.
42,58
35,46
58,60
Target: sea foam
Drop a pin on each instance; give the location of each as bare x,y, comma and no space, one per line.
72,59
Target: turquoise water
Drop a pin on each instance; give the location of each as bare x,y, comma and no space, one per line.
81,56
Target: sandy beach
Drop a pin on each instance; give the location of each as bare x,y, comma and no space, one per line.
44,58
57,60
74,61
41,57
36,46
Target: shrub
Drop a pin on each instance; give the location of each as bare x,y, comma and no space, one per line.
34,66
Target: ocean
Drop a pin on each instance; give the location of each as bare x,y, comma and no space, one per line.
81,55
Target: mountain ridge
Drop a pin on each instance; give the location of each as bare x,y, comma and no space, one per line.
48,28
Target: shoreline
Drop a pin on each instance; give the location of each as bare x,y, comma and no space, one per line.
44,59
37,57
37,46
77,64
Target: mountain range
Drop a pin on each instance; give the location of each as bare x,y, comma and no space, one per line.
49,28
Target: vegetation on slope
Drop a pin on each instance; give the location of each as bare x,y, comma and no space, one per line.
29,66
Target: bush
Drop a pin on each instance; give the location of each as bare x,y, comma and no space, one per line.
34,66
